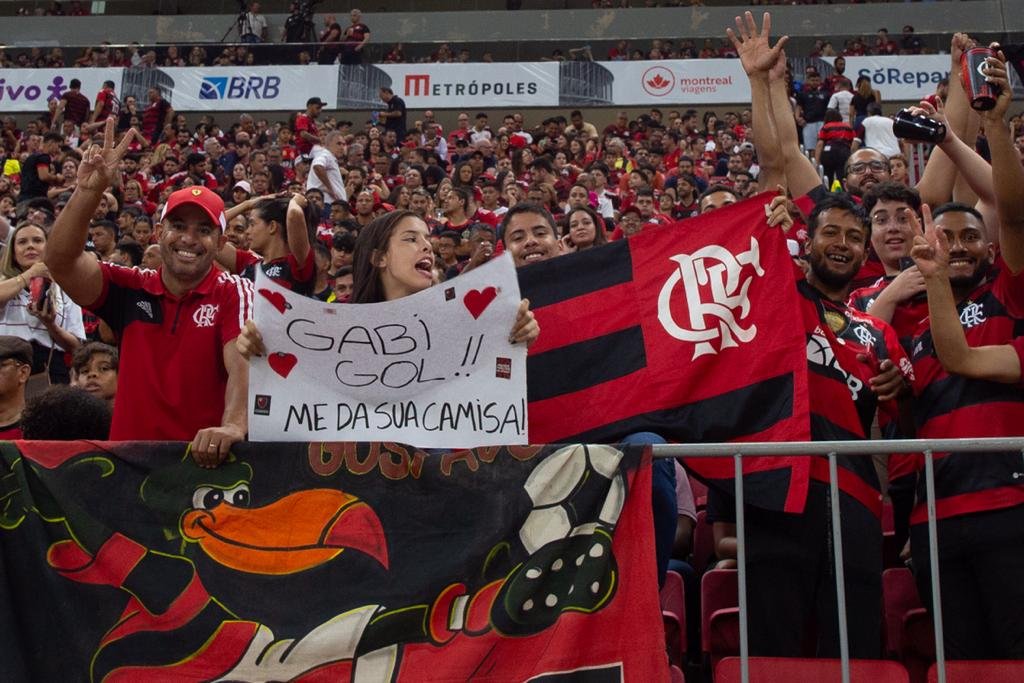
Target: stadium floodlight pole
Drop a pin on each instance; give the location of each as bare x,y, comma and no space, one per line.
741,565
837,557
933,559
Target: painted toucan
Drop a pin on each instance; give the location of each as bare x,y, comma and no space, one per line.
172,629
291,534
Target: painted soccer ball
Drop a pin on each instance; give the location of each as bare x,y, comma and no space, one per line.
576,490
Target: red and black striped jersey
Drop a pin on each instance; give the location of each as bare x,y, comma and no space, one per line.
907,316
842,403
285,271
953,406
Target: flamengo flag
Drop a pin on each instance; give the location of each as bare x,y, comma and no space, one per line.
327,562
691,331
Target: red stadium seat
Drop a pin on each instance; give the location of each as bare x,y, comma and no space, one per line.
771,670
676,674
909,635
703,542
718,592
979,672
723,634
673,612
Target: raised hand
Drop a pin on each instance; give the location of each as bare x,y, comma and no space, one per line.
935,112
960,44
931,248
996,74
753,45
100,164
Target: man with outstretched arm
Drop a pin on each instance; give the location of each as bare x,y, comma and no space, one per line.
181,377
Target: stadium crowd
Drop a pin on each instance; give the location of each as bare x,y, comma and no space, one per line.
121,219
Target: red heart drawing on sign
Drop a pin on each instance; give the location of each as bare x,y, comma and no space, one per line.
276,299
282,363
477,300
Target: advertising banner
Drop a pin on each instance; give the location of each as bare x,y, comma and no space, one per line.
906,77
678,82
31,89
252,88
675,83
509,84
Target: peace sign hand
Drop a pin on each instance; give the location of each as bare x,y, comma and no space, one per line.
99,164
931,248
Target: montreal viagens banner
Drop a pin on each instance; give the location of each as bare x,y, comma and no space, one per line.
680,82
327,562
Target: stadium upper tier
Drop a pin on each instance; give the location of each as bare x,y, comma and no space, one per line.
570,27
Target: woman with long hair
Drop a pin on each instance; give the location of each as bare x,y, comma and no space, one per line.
399,197
863,96
582,228
463,175
52,322
394,258
521,160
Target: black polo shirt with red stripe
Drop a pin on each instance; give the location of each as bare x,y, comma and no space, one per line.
952,406
172,378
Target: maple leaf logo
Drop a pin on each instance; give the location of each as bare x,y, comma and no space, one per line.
658,82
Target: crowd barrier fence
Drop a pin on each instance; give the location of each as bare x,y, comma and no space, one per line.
833,449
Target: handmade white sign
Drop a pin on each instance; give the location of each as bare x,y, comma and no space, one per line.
433,370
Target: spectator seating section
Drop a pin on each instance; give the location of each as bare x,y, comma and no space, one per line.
909,635
719,614
979,672
673,612
771,670
703,542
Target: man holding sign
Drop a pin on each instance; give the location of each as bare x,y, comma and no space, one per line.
181,377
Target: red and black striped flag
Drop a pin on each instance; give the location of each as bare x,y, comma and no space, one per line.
691,331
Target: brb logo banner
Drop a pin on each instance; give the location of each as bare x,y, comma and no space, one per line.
240,88
257,88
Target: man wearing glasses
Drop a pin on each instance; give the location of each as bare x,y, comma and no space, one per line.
864,169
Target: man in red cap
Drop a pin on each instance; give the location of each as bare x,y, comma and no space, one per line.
181,377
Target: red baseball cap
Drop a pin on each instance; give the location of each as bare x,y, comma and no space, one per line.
203,197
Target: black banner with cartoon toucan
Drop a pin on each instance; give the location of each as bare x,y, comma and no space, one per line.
317,562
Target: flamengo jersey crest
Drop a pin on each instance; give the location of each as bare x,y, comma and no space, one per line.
205,315
716,271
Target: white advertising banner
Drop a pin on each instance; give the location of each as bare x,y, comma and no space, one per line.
433,370
507,84
904,77
681,82
253,88
31,89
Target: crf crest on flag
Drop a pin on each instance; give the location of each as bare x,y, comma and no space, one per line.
691,331
327,562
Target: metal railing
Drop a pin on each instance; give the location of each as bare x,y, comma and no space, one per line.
833,449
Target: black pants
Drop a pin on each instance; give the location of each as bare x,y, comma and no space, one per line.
981,577
791,584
